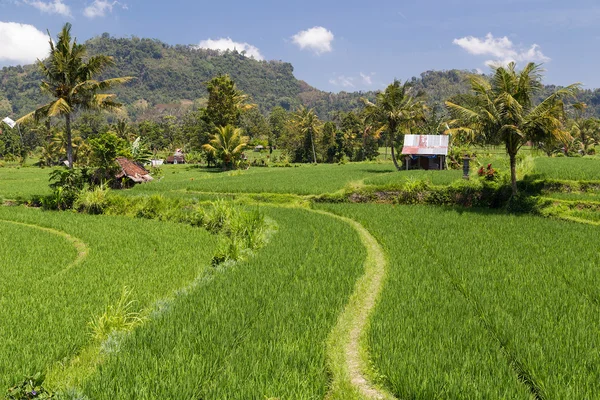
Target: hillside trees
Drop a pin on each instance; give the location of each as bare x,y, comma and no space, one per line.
69,77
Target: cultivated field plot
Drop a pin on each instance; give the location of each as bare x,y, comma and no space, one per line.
62,269
255,330
568,168
484,305
304,179
398,178
23,182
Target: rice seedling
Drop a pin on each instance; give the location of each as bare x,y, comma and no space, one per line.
484,305
45,315
568,168
252,331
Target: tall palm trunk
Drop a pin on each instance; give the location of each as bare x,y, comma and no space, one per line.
69,141
312,140
513,172
393,153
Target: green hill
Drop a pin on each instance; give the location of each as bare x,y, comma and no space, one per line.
170,80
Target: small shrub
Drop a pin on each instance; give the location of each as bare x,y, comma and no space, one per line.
31,388
93,201
117,317
488,173
218,218
150,207
66,184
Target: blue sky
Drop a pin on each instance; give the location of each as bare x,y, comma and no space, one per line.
337,45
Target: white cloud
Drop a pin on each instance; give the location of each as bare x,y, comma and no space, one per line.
317,39
343,81
223,44
51,7
502,49
21,43
99,8
367,78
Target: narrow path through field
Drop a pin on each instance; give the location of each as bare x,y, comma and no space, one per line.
80,246
347,356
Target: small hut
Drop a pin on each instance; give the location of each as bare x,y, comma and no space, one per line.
131,172
177,158
425,151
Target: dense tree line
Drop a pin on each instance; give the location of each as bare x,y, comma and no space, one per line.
184,97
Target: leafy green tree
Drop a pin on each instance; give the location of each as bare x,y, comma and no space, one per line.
5,108
307,123
194,129
398,110
227,145
328,145
140,152
504,110
70,79
122,129
105,149
586,129
277,121
371,133
255,125
225,102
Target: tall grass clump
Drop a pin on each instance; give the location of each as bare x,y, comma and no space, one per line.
118,317
93,201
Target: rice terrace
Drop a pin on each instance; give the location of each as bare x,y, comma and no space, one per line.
242,242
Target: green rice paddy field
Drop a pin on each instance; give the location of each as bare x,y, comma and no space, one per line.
474,304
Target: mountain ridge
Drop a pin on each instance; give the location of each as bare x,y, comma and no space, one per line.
169,79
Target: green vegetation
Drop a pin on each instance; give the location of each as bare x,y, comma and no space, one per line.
23,182
504,111
70,78
303,179
568,168
490,305
207,283
256,330
151,258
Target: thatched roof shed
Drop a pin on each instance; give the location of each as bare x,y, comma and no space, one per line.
132,170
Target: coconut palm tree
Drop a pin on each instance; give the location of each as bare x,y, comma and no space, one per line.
584,128
227,144
504,110
399,111
308,124
69,78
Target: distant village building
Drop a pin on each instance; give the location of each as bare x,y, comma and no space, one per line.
177,158
131,173
425,151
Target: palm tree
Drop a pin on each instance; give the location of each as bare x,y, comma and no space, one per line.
399,110
307,123
227,144
504,110
69,78
584,128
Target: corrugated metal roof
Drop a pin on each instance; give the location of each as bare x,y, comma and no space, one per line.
426,144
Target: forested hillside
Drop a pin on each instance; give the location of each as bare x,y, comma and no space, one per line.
171,80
